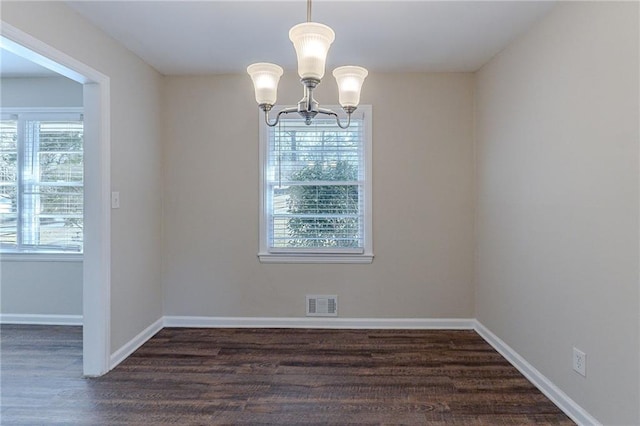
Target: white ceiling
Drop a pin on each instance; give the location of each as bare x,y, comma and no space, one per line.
203,37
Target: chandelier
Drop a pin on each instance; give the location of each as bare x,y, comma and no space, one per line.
311,41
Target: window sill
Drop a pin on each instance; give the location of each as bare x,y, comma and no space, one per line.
40,257
314,258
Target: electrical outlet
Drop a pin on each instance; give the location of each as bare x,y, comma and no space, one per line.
115,200
579,362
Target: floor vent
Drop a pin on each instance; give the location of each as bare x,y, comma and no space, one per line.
322,306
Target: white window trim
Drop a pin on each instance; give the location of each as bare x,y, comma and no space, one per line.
365,255
40,257
37,113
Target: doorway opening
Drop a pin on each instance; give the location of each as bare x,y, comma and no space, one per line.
96,278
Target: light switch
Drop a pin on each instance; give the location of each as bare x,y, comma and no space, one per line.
115,200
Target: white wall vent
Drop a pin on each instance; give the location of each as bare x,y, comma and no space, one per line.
322,305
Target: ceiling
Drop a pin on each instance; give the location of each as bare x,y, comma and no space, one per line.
205,37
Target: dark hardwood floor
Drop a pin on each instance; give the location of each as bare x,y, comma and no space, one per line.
268,376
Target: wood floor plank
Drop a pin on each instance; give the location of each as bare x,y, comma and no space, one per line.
269,376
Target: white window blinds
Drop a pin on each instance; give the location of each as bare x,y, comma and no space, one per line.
41,183
315,186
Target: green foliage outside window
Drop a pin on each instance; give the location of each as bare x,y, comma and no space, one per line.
325,215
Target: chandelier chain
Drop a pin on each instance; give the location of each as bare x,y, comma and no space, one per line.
308,10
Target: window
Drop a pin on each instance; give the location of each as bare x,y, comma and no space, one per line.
41,182
316,190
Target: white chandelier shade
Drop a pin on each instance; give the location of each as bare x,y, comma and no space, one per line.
349,79
311,41
265,78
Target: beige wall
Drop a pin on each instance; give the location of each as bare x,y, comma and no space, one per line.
557,246
422,203
41,288
136,295
40,92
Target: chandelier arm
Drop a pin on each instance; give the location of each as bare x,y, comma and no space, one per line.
335,115
277,119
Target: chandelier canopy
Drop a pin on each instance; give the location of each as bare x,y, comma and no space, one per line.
311,41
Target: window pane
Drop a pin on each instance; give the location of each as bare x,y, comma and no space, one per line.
53,198
41,184
8,216
314,179
8,182
316,216
60,167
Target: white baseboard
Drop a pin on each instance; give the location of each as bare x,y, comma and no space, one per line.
336,323
557,396
130,347
38,319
